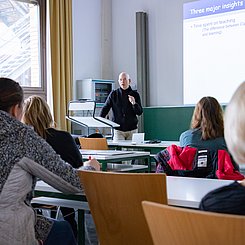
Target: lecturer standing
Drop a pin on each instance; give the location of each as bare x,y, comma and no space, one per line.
126,106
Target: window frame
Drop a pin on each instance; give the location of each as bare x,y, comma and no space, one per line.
42,91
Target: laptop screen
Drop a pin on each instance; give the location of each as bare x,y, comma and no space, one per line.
138,138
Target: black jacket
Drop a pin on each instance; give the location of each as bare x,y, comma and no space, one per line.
227,199
64,145
124,113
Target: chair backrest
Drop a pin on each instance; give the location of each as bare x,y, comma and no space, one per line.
172,225
115,203
93,143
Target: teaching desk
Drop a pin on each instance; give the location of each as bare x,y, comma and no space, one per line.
146,146
152,148
181,191
107,156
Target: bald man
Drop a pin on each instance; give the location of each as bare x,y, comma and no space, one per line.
126,106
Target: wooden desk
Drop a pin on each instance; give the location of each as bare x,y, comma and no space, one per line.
107,156
181,191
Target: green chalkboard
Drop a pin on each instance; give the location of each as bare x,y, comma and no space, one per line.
166,123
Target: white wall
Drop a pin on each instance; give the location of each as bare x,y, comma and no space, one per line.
165,44
86,39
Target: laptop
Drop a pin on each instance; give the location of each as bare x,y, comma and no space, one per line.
138,138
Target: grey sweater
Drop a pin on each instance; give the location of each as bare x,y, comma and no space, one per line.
24,156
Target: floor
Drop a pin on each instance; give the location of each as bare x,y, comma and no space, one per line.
90,232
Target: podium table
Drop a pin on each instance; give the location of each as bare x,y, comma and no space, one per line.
82,112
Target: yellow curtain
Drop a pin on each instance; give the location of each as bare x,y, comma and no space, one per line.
61,57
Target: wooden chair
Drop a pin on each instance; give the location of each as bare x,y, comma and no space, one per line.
93,143
175,226
115,203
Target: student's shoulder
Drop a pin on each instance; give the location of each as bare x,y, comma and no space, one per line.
226,199
58,133
187,133
187,137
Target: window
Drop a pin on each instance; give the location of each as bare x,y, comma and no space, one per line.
22,39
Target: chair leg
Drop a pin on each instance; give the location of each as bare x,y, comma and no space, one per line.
57,212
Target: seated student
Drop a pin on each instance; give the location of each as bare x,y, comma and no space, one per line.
231,198
207,127
36,113
206,133
24,157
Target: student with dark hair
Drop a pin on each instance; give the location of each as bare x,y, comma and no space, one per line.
207,126
24,157
202,152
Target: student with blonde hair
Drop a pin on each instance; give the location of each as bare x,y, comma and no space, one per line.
231,198
37,114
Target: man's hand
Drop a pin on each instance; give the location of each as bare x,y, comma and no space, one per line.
131,99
